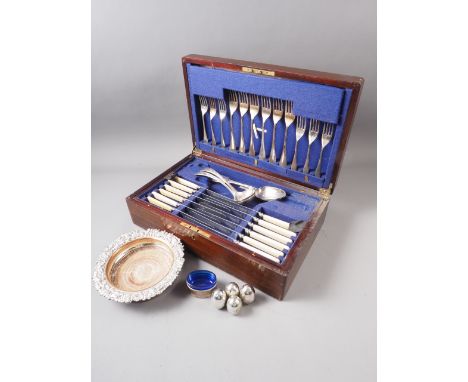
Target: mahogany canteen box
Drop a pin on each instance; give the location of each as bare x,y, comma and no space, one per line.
257,125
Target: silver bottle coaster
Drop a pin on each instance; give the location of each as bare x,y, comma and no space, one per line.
138,265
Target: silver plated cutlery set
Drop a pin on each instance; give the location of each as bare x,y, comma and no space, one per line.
265,108
261,233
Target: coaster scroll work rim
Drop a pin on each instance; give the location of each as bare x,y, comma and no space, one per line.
109,291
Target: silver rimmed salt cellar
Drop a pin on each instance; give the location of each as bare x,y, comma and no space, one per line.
232,289
218,298
247,294
234,305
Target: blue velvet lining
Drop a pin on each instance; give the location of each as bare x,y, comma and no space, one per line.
295,206
325,103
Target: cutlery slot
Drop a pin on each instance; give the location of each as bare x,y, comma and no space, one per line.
314,102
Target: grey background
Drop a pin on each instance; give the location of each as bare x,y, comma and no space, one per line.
325,330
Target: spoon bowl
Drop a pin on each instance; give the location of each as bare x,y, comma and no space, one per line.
267,193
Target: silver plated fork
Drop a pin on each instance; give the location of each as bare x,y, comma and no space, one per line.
277,115
222,115
254,108
314,129
288,120
212,115
266,112
300,130
233,105
243,107
327,134
204,109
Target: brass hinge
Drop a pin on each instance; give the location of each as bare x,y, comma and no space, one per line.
196,151
326,192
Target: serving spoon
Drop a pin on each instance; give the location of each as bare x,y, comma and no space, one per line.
265,193
238,196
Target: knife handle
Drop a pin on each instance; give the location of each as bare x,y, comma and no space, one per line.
259,252
263,247
162,205
278,222
164,199
171,195
174,190
275,228
185,182
181,186
272,243
266,232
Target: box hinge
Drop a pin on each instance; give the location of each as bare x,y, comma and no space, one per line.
196,151
326,192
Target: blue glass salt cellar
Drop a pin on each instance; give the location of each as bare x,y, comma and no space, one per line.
201,283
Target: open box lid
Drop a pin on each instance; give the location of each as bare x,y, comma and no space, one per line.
331,99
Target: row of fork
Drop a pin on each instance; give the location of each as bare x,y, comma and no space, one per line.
275,108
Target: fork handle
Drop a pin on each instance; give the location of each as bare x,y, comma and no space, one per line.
262,146
294,161
213,138
318,170
273,150
205,137
232,144
242,142
306,164
252,143
283,161
221,132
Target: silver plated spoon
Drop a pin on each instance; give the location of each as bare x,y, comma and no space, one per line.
265,193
